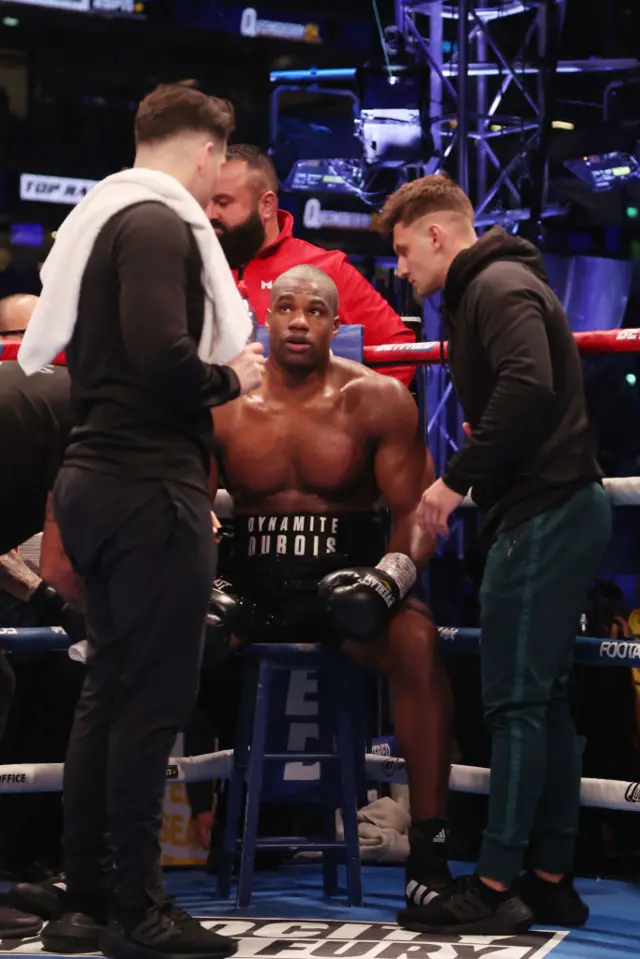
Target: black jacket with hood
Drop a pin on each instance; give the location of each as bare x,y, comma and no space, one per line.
517,372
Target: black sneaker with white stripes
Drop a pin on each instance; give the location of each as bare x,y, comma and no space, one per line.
469,906
427,871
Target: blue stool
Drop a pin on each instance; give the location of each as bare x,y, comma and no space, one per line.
341,768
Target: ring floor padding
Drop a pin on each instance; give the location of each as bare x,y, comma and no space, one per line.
290,920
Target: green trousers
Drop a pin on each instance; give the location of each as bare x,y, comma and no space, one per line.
533,594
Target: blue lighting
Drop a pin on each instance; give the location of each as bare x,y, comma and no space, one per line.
310,76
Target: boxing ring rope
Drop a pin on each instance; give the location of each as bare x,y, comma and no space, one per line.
595,793
595,343
408,354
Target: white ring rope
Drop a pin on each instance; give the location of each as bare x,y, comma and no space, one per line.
598,793
623,490
47,777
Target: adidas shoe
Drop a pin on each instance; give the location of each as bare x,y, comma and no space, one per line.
469,906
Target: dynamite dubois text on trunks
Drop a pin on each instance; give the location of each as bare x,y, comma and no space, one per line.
302,536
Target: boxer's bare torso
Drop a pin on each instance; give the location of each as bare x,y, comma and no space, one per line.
287,453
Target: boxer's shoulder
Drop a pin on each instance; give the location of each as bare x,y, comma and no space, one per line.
375,386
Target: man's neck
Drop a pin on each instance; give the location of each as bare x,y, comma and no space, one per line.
294,384
271,232
162,162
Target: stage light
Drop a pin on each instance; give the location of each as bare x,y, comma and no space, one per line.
631,379
633,212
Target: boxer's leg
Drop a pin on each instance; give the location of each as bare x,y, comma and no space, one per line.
409,654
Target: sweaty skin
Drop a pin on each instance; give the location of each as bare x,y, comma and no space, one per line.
323,434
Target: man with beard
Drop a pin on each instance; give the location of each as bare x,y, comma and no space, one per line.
258,241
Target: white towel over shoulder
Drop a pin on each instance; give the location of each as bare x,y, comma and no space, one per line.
227,326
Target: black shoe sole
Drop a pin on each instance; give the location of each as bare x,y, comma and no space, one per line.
68,944
508,920
35,901
24,932
563,922
117,947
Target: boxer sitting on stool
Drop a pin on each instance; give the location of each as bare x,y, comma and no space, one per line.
307,458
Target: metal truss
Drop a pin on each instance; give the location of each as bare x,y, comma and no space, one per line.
487,110
487,103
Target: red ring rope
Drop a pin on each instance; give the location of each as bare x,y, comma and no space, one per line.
408,354
590,344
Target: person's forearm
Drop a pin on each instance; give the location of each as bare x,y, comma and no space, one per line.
409,539
16,578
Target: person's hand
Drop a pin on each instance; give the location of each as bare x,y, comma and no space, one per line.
466,430
436,506
204,825
249,367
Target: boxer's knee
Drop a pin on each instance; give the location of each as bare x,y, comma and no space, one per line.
410,651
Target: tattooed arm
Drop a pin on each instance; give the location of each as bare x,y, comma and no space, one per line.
55,566
16,578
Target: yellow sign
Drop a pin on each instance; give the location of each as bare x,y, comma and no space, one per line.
180,846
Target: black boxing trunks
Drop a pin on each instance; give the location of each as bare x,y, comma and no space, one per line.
276,562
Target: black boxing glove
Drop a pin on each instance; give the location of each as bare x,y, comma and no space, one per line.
226,614
360,601
52,610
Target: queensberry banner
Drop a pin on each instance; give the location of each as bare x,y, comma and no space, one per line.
255,23
251,22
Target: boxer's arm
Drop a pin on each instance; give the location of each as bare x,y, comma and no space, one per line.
55,567
152,256
403,467
512,330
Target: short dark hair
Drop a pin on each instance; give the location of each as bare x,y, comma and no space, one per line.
179,108
258,162
304,271
430,194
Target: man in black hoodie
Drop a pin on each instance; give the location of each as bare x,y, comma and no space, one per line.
530,464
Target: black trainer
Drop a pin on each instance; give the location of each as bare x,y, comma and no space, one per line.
72,933
164,931
46,899
553,904
77,929
427,871
18,925
469,906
